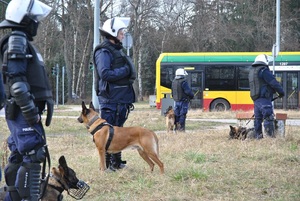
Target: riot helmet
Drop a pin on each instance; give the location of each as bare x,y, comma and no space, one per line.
262,59
180,71
25,14
111,27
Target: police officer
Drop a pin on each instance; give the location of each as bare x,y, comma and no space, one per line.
114,76
27,93
263,86
181,93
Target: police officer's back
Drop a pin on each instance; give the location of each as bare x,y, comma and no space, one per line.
181,93
263,86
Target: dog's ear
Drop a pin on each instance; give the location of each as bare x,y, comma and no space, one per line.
231,128
83,105
62,161
92,105
63,164
84,109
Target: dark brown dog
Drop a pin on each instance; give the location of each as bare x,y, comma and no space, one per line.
63,178
170,119
239,132
114,139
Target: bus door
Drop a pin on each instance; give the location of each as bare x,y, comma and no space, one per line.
195,80
289,82
292,92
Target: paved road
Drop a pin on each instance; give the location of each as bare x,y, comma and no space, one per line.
291,122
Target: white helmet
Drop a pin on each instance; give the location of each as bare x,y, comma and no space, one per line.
112,26
180,72
262,59
34,9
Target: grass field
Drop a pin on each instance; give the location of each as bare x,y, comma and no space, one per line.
201,164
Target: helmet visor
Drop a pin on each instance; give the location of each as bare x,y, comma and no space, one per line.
38,10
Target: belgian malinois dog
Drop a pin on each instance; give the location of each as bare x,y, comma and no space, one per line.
170,119
63,178
113,139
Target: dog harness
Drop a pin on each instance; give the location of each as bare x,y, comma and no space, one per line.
111,133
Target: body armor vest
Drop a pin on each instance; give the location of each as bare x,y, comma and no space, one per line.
35,74
177,91
119,60
255,82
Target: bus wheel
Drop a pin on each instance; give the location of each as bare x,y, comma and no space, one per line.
219,105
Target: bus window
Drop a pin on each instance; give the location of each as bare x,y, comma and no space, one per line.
242,75
167,76
220,78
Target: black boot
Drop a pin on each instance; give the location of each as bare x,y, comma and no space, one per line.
108,162
117,162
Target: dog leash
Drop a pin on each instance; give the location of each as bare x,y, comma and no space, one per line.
47,159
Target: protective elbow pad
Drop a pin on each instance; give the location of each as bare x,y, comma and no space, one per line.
17,45
23,98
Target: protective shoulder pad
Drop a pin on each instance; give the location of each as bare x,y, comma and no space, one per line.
17,45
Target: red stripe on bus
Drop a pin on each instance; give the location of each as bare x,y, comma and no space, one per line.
245,107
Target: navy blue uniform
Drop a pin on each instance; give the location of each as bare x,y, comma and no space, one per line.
27,93
114,85
182,94
263,86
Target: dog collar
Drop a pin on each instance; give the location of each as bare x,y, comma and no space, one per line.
93,120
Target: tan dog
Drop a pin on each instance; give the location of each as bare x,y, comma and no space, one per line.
170,119
114,139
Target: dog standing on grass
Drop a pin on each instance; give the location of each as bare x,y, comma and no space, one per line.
114,139
170,119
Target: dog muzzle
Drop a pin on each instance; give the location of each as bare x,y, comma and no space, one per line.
79,193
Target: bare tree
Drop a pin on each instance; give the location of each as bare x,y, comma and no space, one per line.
65,37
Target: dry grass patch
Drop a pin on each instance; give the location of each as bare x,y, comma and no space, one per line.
201,164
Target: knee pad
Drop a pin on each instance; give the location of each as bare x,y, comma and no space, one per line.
10,174
28,181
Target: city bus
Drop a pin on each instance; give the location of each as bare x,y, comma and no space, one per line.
219,80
